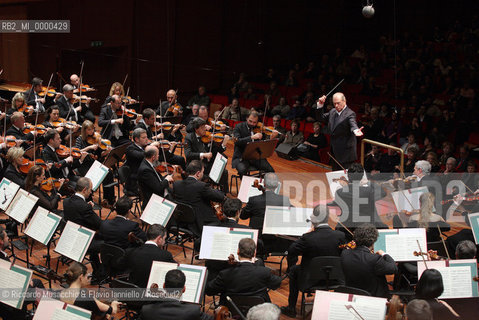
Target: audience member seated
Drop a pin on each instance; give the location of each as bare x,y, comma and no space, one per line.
281,109
294,137
315,141
235,112
201,98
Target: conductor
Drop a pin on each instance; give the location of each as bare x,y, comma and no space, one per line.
343,129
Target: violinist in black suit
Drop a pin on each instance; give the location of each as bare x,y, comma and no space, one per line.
245,278
115,231
243,132
76,209
139,260
173,308
67,110
343,129
135,153
18,123
364,269
113,127
33,98
149,180
196,149
320,241
198,194
171,100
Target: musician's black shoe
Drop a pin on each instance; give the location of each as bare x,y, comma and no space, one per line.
287,311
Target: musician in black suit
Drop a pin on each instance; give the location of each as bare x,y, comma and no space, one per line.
139,260
256,206
33,98
115,128
198,150
67,110
149,180
364,269
135,153
198,194
245,278
343,129
76,209
243,132
171,100
172,308
357,200
115,231
320,241
18,123
148,123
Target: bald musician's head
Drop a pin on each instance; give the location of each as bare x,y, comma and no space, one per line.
74,80
339,101
151,153
171,96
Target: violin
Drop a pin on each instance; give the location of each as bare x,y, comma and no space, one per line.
128,100
51,183
350,245
165,125
231,260
258,186
472,198
82,99
217,124
84,88
130,113
431,253
25,108
342,178
70,125
28,164
174,170
132,238
64,152
219,212
175,109
39,128
51,92
260,128
395,308
11,141
222,313
103,144
217,137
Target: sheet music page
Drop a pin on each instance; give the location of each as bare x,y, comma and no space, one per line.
335,185
8,190
457,282
60,314
158,210
370,307
235,239
401,247
43,225
97,174
21,206
16,278
403,199
158,272
73,243
474,222
195,276
286,221
222,246
368,311
218,166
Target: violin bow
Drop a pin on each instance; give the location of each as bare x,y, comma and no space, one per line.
126,97
36,121
342,225
443,243
214,129
81,82
161,131
420,250
264,115
337,162
124,81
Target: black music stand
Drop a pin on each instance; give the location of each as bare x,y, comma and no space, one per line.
113,159
258,150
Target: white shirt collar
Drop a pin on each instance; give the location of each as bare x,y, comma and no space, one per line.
80,195
339,113
151,242
51,147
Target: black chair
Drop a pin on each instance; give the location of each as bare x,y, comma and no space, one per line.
242,304
325,273
182,225
132,307
110,256
124,173
352,290
253,171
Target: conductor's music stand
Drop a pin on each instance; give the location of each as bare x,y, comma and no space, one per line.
258,150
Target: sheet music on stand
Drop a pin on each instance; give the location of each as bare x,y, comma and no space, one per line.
247,190
335,185
195,279
403,199
16,279
43,225
218,167
290,221
74,241
344,306
51,309
8,189
456,277
158,210
217,243
21,205
400,244
97,174
474,222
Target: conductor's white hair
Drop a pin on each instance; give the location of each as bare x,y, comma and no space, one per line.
425,166
264,311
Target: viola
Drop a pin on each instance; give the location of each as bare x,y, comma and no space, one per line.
350,245
28,164
51,183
